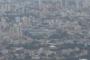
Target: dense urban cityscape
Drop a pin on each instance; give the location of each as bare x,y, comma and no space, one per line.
44,29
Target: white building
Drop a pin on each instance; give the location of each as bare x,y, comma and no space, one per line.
83,59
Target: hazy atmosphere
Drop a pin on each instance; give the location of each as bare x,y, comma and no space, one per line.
44,29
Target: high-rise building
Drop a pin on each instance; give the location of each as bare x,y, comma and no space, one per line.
74,4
